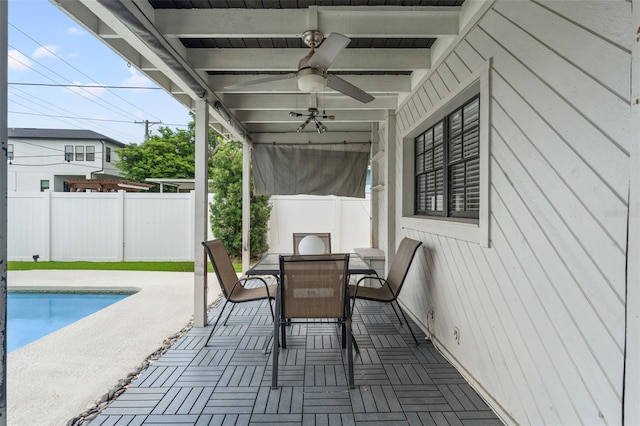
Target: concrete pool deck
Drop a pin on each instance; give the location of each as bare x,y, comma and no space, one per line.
57,377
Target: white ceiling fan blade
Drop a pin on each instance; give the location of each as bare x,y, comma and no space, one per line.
329,51
343,86
275,77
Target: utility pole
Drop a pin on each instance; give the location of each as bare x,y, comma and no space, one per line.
147,123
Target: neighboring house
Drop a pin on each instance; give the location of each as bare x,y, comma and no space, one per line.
42,159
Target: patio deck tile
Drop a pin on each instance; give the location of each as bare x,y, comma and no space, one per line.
228,382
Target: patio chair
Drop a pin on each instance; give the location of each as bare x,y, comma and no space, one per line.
234,289
390,287
312,288
299,236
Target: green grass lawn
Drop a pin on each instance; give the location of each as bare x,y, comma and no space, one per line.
110,266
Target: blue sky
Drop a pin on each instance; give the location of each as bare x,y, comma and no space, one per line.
47,49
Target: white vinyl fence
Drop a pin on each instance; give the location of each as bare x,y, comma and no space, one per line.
127,226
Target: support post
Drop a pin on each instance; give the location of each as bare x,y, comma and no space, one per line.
201,210
246,206
375,180
390,187
4,13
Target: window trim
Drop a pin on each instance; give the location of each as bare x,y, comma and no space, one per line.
447,163
108,154
69,154
90,151
472,230
79,151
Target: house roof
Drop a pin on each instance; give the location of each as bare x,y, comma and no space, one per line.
33,133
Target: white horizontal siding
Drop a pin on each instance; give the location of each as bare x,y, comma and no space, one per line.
541,311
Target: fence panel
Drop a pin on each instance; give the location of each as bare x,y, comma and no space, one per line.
85,227
27,233
159,227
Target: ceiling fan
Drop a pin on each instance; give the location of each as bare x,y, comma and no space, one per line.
312,72
313,116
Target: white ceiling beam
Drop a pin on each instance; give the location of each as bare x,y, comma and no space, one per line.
291,127
351,116
352,21
374,84
303,101
287,59
311,137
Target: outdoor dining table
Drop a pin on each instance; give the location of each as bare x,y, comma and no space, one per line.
269,264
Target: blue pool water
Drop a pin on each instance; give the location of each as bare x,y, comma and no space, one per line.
31,316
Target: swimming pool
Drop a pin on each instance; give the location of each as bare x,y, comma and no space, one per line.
32,315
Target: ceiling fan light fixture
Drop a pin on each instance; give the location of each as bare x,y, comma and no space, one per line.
311,83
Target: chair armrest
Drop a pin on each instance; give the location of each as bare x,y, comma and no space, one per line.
243,280
379,279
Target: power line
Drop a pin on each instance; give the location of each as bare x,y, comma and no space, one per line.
64,61
96,99
27,97
92,97
88,86
96,119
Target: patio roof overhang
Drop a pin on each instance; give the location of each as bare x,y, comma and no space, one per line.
204,52
209,49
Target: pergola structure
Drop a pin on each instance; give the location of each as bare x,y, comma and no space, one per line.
106,185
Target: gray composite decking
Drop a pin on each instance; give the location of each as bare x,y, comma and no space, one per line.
228,382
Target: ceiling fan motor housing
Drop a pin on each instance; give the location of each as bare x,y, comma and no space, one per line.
311,80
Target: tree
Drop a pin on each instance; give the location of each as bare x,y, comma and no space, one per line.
167,154
226,208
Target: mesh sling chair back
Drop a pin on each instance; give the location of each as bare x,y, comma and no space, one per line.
324,236
390,287
234,289
312,288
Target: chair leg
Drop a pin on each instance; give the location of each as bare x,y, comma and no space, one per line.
216,323
407,322
230,312
350,356
396,312
275,350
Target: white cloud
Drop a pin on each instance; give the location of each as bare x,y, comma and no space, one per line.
18,61
74,31
86,92
137,79
45,51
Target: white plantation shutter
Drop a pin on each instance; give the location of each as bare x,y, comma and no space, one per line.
449,154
